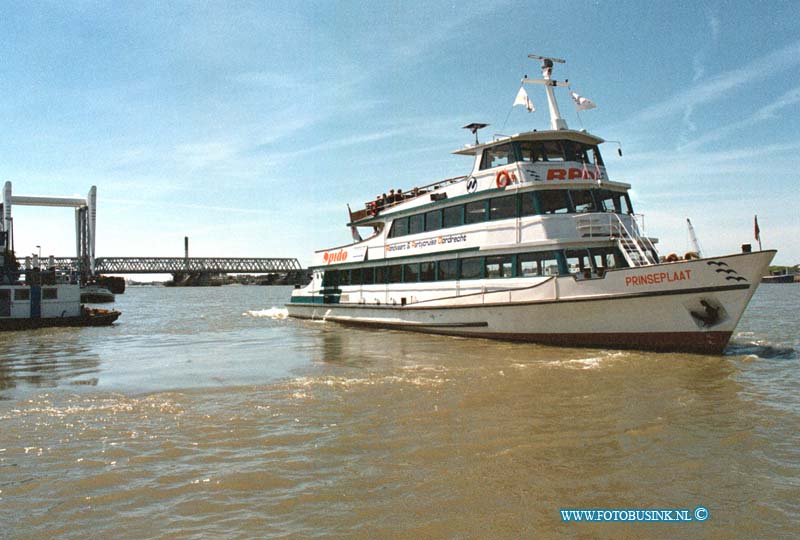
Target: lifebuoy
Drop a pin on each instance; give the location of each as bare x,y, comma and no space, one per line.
502,179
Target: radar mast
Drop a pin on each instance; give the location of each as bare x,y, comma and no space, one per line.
556,121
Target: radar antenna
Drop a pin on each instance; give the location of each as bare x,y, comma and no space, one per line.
556,122
474,127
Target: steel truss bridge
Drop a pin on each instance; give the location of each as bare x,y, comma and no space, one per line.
184,265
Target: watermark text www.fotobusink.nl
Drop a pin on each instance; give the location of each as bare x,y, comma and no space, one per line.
595,515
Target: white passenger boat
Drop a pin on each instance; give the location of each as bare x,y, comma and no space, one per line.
535,244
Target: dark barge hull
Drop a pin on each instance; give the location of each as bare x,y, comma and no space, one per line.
88,317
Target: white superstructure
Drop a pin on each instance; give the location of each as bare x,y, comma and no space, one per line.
536,243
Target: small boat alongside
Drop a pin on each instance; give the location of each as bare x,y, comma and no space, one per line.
536,243
779,277
95,294
39,296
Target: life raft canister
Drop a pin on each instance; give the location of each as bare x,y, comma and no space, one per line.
503,179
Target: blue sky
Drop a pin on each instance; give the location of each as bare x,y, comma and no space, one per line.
249,126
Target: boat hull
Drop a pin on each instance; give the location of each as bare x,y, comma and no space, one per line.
698,314
88,317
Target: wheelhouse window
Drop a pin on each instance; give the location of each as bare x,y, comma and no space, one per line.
472,268
433,220
475,212
582,200
499,266
448,270
530,151
416,224
613,201
503,207
553,201
529,205
427,271
552,151
453,216
497,156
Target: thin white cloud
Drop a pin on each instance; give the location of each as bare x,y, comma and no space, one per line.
767,112
717,87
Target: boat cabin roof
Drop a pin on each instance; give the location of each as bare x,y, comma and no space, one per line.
549,135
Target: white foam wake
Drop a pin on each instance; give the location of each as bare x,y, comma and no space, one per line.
271,313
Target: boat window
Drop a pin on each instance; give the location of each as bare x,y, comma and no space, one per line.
22,294
503,207
399,227
499,266
411,272
330,278
394,273
571,150
529,206
475,212
596,154
380,275
542,263
448,270
609,200
497,156
49,294
605,258
472,268
530,151
416,224
552,151
427,271
553,201
582,200
453,216
344,277
368,276
433,220
578,261
627,207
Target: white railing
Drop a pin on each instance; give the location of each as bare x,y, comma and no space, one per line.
637,248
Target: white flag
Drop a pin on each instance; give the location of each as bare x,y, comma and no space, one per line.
522,99
581,103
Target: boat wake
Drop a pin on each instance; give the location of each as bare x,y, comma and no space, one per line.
271,313
761,350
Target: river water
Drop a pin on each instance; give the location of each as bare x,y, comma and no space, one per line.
205,413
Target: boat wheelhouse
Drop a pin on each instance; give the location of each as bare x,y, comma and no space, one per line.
536,243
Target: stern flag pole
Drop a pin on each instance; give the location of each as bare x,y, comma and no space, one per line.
757,232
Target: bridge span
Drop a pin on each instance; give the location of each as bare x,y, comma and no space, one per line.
174,265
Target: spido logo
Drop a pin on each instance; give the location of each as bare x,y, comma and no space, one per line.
334,256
